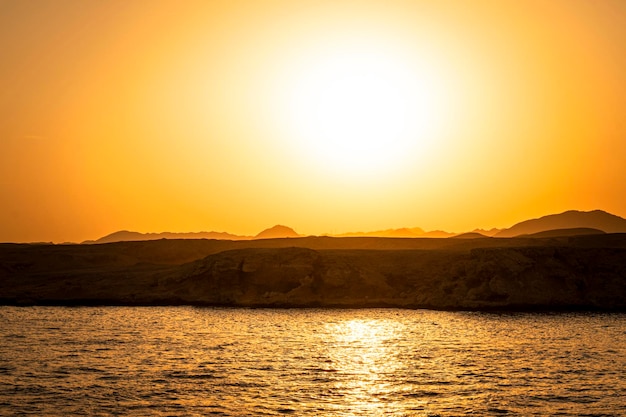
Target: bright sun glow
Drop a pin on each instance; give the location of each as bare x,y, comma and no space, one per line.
362,109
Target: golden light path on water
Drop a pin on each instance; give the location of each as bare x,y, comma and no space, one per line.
179,361
366,350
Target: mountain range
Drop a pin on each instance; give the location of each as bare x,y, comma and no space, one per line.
568,223
596,219
274,232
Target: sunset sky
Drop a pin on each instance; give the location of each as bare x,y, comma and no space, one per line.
326,116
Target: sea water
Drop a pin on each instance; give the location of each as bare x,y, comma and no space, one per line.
184,361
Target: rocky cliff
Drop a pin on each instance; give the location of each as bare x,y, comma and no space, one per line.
575,273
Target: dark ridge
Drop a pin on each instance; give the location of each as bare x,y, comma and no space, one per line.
597,219
469,235
578,231
277,231
583,272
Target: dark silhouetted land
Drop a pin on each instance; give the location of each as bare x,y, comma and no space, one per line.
563,272
568,223
596,219
274,232
277,232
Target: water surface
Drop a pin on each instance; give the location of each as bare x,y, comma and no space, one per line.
210,361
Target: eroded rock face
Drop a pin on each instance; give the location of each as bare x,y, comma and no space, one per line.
245,276
291,276
533,277
550,276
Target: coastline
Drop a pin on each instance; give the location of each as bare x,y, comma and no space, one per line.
580,273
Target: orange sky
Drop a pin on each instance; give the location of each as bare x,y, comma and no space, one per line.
327,116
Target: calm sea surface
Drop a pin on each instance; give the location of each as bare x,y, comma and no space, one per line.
203,361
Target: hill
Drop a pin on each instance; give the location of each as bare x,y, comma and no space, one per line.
276,232
469,235
597,219
579,231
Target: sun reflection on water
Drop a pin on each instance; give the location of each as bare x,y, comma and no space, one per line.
166,361
362,354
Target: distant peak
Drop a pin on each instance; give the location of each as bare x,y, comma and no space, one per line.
469,235
571,219
278,231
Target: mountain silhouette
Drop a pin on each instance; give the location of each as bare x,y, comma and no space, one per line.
469,235
438,234
127,236
596,219
402,232
569,223
277,231
489,233
578,231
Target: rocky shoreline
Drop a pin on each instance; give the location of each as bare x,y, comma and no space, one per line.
570,273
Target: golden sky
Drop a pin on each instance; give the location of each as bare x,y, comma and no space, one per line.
327,116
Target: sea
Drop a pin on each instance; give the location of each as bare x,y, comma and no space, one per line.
187,361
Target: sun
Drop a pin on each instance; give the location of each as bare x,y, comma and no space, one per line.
362,108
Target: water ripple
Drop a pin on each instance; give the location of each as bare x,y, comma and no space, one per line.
234,362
